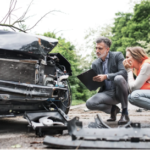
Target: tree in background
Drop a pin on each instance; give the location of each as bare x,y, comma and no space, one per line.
132,29
120,39
79,91
128,29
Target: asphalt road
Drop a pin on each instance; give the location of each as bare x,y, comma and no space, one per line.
14,131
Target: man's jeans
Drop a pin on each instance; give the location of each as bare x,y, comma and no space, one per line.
140,98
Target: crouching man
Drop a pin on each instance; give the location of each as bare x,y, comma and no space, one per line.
110,70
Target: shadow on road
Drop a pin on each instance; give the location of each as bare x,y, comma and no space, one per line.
10,125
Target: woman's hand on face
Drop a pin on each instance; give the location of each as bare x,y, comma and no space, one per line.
148,81
127,64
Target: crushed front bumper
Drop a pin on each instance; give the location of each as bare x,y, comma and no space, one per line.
129,136
31,90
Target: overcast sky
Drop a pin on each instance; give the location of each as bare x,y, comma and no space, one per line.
77,16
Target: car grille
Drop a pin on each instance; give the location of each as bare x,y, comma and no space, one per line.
17,70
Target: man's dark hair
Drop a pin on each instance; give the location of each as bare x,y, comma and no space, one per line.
105,40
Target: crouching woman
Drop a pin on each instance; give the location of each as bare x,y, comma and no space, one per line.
137,62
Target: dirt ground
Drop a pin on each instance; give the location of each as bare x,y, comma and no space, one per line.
14,132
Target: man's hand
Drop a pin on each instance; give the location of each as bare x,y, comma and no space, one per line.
100,78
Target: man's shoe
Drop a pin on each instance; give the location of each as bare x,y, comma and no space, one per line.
124,119
114,113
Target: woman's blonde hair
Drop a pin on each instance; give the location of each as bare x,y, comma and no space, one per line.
137,53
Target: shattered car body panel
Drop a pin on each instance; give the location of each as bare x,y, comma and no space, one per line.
129,136
82,144
30,77
58,119
134,134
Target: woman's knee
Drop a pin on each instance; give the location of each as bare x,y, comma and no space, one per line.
133,97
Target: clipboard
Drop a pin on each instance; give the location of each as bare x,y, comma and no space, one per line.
87,79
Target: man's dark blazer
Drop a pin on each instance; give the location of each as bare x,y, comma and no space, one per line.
115,67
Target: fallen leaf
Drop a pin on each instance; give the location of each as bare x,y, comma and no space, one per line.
16,146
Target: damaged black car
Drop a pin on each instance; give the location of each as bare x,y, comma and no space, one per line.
32,78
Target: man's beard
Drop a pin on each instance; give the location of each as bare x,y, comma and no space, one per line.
101,55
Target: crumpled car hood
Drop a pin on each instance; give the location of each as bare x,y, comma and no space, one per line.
26,43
